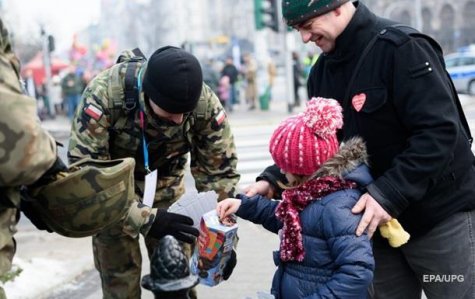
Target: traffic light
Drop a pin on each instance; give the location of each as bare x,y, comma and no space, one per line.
266,14
51,45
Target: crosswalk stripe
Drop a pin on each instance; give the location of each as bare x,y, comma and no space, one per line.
252,142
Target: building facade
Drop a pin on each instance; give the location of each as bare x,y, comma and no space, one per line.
451,23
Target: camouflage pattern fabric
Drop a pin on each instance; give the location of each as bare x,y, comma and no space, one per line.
102,130
26,150
91,196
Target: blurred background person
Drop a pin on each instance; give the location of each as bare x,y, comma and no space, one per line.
308,62
250,75
56,95
297,73
232,72
29,82
271,73
224,93
72,86
210,75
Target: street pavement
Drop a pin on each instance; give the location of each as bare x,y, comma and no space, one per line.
56,267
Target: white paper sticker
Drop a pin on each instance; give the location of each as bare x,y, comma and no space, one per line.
194,205
150,188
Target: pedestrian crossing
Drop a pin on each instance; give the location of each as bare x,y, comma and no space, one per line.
252,146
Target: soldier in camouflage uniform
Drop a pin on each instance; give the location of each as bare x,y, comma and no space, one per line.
180,116
27,152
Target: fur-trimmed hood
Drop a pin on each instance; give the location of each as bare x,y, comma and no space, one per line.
351,154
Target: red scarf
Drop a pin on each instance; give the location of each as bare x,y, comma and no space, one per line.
293,202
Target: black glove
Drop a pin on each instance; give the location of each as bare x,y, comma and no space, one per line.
228,269
50,175
274,176
179,226
26,206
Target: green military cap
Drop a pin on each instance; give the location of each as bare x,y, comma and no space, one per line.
298,11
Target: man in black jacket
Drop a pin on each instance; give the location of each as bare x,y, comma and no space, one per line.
395,92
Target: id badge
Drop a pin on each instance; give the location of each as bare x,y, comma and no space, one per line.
150,188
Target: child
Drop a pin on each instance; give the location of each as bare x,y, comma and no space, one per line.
320,256
224,90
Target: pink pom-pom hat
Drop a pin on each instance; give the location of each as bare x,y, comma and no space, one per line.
302,143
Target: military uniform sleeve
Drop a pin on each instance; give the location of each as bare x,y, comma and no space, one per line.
139,219
213,152
425,106
90,125
27,151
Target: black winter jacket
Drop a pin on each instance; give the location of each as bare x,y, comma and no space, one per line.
419,153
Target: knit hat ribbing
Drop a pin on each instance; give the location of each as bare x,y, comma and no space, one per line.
302,143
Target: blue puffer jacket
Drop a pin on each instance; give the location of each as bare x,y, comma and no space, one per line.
337,263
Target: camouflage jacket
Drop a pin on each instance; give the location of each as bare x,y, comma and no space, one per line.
101,129
26,150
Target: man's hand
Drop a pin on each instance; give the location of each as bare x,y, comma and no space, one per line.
179,226
261,187
373,216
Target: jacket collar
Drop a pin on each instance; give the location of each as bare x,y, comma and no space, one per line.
350,163
356,35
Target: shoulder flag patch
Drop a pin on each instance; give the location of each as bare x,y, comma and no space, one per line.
220,117
93,111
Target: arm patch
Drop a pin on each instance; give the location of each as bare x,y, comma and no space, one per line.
220,117
93,111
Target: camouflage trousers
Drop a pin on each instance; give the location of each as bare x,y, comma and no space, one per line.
118,259
8,221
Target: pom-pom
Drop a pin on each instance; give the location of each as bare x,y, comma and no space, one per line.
323,116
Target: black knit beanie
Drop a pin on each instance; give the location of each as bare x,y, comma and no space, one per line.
173,80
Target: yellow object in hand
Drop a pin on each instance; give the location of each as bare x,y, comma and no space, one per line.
394,232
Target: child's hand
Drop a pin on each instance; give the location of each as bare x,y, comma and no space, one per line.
227,207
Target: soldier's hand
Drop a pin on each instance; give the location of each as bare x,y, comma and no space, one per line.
179,226
59,169
26,206
230,265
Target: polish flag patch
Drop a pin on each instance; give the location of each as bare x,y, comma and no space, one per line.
93,111
220,117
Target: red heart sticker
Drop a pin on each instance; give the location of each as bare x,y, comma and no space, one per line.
358,101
